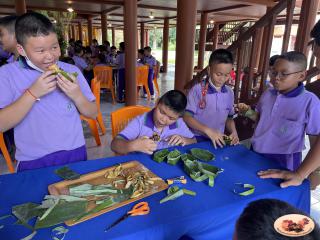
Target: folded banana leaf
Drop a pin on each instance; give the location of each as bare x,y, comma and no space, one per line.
227,140
173,157
202,154
174,192
159,156
187,156
25,212
58,70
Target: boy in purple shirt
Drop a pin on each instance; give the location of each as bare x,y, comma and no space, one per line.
151,62
120,61
112,56
43,107
285,113
210,101
164,121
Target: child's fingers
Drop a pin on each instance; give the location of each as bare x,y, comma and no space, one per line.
214,143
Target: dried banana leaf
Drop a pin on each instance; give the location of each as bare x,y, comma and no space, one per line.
67,174
63,211
202,154
159,156
173,157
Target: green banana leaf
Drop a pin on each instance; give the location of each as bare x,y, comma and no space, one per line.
173,157
202,154
159,156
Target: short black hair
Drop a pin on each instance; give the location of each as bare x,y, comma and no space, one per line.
257,219
121,45
113,47
78,49
175,100
221,56
102,58
106,42
141,51
147,48
295,57
8,22
32,24
315,33
273,60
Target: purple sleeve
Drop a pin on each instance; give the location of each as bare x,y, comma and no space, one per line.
313,125
132,130
82,63
184,131
193,100
6,91
231,112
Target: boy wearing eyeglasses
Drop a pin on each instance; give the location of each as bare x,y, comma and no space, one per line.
285,113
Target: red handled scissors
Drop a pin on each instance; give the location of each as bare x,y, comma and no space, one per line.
141,208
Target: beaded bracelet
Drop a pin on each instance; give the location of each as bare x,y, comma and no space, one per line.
35,98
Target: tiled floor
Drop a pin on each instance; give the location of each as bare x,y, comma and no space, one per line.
166,82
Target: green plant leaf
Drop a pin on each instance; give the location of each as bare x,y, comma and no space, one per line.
202,154
159,156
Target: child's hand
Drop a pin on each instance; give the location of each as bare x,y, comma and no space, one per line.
241,108
175,140
290,178
145,145
234,138
71,89
216,137
45,84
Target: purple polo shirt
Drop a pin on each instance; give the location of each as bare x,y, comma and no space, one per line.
150,60
219,106
80,62
111,59
120,60
53,123
143,125
284,120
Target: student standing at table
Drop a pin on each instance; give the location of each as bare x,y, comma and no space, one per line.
285,113
43,107
164,120
151,62
112,56
210,101
120,61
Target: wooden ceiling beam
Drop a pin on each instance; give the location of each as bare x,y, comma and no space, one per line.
268,3
157,7
100,2
226,8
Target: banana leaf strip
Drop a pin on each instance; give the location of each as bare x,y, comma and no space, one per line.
29,237
202,154
6,216
189,192
249,189
159,156
174,192
211,181
59,233
173,196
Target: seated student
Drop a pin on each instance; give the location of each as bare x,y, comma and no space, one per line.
257,221
151,62
8,40
112,56
71,46
164,120
140,60
101,60
285,113
82,64
42,107
94,48
120,62
210,102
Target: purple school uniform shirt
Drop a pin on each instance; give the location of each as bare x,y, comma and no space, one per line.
111,59
53,123
219,106
284,121
143,125
80,62
150,60
120,60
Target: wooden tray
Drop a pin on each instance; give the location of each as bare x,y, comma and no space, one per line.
98,177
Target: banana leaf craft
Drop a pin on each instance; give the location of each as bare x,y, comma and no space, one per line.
175,192
160,155
201,171
57,70
227,140
187,156
155,137
173,157
202,154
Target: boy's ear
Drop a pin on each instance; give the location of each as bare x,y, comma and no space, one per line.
303,75
21,50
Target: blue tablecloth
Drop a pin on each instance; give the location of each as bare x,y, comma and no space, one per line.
210,215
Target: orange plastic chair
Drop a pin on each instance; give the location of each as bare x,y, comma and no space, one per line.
104,76
121,117
155,77
142,78
5,153
95,87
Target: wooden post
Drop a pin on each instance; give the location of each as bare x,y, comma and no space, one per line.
90,30
147,37
80,31
165,45
239,71
104,24
20,6
186,28
130,38
287,31
142,41
113,36
202,39
215,36
73,31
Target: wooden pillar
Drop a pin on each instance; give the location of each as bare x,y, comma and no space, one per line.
113,36
69,32
20,6
73,31
215,36
104,30
287,31
90,30
80,31
142,40
130,39
308,14
186,28
202,39
147,37
165,44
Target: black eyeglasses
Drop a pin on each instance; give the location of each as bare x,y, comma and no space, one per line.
280,74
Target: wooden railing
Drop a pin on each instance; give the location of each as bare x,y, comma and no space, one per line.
259,37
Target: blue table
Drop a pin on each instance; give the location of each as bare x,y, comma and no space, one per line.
210,215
